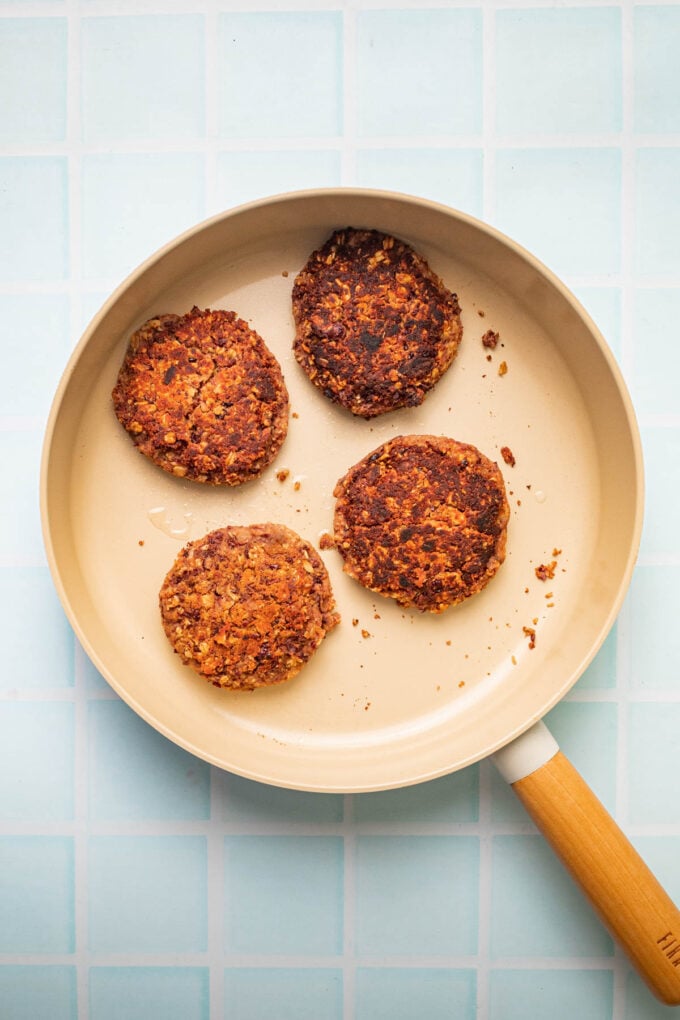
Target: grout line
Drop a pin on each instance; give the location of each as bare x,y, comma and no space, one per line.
74,163
211,28
108,8
349,99
194,828
488,112
80,835
215,890
485,883
348,917
444,142
411,961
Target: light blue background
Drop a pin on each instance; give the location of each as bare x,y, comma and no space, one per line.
137,881
283,895
147,894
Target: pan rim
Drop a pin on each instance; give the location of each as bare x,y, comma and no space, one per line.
304,195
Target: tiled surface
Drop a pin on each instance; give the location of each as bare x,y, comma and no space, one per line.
138,882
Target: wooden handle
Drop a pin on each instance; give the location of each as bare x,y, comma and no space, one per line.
631,903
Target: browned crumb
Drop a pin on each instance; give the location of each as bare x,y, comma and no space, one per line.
141,542
422,520
531,634
355,622
326,541
490,339
376,616
365,634
448,642
545,571
284,273
513,660
247,607
282,475
375,327
557,552
202,396
295,414
508,456
296,486
461,683
481,313
503,368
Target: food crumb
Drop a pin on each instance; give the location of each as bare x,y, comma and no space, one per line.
326,541
376,616
508,456
481,313
296,486
557,552
461,683
141,542
294,414
503,368
490,339
282,475
531,634
514,660
448,642
367,706
355,622
545,571
284,273
365,634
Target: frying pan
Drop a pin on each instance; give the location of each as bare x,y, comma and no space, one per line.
392,697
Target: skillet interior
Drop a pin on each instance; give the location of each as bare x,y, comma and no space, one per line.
422,695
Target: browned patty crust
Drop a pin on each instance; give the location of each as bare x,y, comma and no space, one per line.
247,607
203,397
422,520
375,327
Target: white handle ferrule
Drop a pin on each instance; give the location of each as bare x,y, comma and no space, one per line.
526,753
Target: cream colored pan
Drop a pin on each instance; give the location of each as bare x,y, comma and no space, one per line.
392,697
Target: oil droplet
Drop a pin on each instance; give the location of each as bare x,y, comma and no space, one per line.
160,518
540,496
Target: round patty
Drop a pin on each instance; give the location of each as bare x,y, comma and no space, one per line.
203,397
422,520
247,607
375,328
